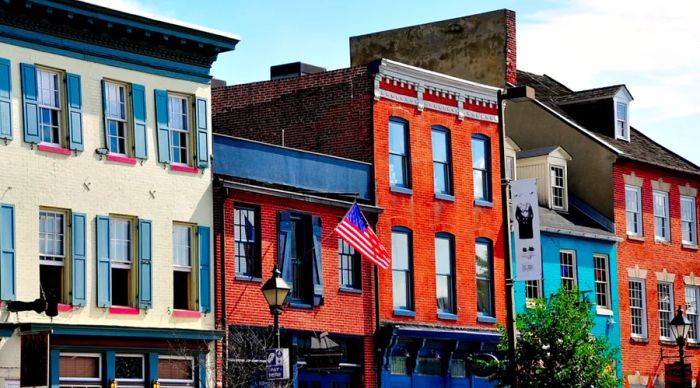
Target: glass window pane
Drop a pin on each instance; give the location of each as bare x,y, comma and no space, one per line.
400,288
128,367
443,253
397,138
399,250
479,154
439,146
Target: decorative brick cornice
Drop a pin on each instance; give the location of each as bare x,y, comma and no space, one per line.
660,185
633,179
687,190
664,276
427,89
636,272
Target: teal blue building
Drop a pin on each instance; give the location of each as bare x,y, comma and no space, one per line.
578,244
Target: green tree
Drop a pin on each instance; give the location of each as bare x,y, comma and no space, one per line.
555,347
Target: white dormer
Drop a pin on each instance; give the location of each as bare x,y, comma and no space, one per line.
549,166
621,103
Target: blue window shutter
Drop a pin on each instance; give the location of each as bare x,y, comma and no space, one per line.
105,103
7,252
318,262
162,126
75,112
5,99
145,266
104,266
284,247
79,264
202,134
30,103
202,370
138,106
204,269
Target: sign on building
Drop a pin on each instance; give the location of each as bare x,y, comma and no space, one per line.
526,221
278,364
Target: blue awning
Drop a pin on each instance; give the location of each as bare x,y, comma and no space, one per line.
447,334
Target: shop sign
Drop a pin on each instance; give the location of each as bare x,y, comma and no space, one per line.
278,364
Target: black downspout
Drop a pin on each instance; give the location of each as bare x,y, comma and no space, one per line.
222,271
510,316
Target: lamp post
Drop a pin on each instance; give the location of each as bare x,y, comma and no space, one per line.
679,329
275,291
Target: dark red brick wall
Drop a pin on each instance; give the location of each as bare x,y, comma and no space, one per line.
328,112
653,257
511,52
425,215
341,312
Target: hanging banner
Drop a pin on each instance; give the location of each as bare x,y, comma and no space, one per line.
526,221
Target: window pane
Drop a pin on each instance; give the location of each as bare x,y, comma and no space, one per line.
479,154
440,178
444,293
400,289
484,279
120,239
665,293
443,253
175,369
399,250
637,311
129,367
397,173
691,305
479,192
397,138
440,146
182,245
79,367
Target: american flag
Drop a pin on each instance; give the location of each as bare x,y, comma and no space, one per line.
356,232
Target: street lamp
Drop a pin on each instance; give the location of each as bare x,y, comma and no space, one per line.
275,291
680,325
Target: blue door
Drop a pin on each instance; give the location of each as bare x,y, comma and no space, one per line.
335,379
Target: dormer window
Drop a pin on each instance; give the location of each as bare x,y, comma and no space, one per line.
621,123
548,165
558,187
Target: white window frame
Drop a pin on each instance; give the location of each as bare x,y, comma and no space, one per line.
607,309
111,116
143,367
671,312
573,265
663,217
626,130
643,308
56,260
692,222
58,107
190,247
178,381
639,213
84,379
696,316
530,302
116,263
188,131
553,186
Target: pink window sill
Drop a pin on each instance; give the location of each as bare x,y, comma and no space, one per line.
187,313
179,167
65,307
124,310
121,159
53,148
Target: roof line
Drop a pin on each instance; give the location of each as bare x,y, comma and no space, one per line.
554,80
579,127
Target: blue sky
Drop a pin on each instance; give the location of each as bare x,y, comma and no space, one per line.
645,44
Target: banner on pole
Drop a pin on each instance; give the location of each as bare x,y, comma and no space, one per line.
526,221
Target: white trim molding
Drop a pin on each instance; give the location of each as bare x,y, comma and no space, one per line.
633,180
664,276
636,272
660,185
691,280
688,191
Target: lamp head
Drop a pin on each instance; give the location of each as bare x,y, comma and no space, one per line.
680,326
275,290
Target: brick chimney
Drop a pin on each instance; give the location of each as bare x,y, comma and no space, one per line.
511,49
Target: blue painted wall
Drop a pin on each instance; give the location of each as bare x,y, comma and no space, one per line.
285,166
585,249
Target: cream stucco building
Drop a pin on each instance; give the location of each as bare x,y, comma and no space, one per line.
106,196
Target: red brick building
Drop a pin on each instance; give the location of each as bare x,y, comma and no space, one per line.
284,214
433,142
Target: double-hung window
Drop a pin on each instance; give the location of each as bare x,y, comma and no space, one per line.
53,236
567,266
633,207
300,256
689,225
179,117
621,122
401,265
484,278
442,171
183,260
350,266
116,116
661,217
444,270
666,305
692,298
51,125
638,308
121,240
533,290
246,220
481,167
557,177
399,162
601,270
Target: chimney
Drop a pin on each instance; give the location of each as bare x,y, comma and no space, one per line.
294,69
511,53
217,83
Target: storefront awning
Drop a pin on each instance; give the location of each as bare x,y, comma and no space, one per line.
122,331
446,334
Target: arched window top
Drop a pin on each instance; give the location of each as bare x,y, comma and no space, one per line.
438,127
401,229
398,119
447,235
484,240
480,136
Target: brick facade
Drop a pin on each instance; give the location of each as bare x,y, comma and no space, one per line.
644,356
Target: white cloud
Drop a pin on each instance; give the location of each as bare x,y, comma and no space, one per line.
651,46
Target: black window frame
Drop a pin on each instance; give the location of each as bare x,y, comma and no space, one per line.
255,262
452,292
410,305
348,254
447,164
304,245
489,246
487,170
406,156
